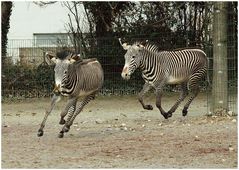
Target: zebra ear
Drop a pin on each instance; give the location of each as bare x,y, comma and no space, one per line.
143,43
138,47
50,57
124,45
75,57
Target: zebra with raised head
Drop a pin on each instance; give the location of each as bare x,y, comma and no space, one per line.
74,78
185,67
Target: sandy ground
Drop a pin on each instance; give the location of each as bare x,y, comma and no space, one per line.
115,132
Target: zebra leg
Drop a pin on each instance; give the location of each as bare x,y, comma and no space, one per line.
195,93
145,89
194,87
72,117
66,128
184,93
158,103
70,108
54,100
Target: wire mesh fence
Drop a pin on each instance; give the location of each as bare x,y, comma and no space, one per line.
26,73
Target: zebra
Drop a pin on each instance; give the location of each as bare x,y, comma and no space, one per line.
185,67
74,78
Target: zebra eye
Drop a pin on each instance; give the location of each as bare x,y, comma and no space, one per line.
65,71
133,56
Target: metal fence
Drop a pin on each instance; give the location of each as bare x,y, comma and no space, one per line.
26,73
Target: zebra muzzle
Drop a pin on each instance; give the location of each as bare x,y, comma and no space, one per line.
56,89
125,74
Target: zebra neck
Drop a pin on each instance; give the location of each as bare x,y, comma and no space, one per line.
149,66
69,82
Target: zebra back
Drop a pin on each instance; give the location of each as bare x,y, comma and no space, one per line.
86,76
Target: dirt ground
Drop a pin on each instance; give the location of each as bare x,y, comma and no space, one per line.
115,132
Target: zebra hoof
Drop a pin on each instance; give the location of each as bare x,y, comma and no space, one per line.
61,135
148,107
169,114
165,115
66,129
40,133
62,122
185,112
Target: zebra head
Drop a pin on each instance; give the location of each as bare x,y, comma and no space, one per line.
62,61
133,58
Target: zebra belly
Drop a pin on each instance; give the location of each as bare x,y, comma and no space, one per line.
82,93
173,80
85,93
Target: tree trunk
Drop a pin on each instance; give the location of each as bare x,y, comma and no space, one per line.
220,80
6,13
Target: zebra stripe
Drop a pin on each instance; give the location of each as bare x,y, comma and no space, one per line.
77,78
171,64
185,66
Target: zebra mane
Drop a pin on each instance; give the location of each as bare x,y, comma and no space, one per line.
148,46
85,61
151,47
62,54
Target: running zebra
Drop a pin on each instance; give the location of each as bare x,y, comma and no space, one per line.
185,67
74,78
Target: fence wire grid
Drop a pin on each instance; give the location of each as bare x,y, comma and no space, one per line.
27,74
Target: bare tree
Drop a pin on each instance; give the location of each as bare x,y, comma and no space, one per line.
104,14
75,32
44,3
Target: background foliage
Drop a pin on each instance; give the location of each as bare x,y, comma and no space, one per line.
170,25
